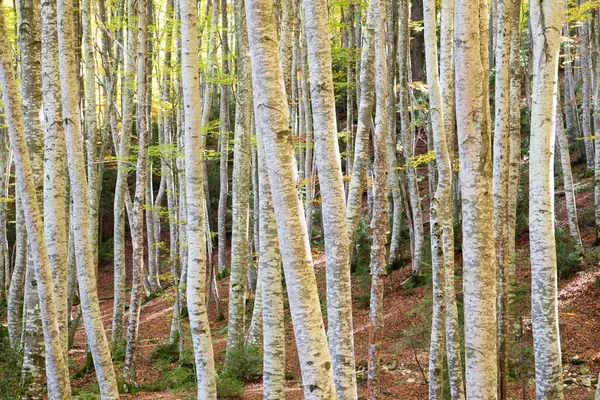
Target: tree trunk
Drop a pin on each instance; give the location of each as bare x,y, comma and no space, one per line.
56,366
273,117
86,271
331,184
196,240
475,155
545,26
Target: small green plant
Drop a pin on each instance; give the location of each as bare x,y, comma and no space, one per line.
117,351
364,300
569,255
168,353
105,252
10,365
223,274
597,284
244,363
229,387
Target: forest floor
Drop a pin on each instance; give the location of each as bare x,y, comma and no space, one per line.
406,319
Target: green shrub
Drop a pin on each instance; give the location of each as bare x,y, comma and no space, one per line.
569,255
244,363
10,365
117,351
364,300
229,387
168,353
223,274
105,252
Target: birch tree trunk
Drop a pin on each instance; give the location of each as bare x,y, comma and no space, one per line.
474,138
121,186
379,221
453,340
56,366
500,184
137,221
16,289
365,111
440,210
569,188
331,184
586,91
240,184
545,27
86,274
29,41
196,270
56,226
272,289
273,117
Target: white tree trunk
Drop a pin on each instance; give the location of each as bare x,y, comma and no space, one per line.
240,203
196,240
86,274
474,138
545,25
56,227
56,366
328,161
273,117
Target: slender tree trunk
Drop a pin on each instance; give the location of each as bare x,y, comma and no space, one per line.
273,117
379,220
196,245
569,187
545,26
86,274
16,289
56,228
240,185
474,138
361,147
56,367
331,184
586,91
272,289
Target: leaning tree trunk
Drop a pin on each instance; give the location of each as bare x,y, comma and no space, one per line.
475,155
545,27
273,117
196,240
86,271
569,187
56,365
331,184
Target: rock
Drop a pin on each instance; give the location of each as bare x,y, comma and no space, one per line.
362,365
411,380
586,382
584,371
385,368
569,381
576,360
392,365
361,376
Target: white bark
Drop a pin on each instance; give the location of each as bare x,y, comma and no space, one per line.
273,117
474,138
240,185
86,274
271,288
545,25
56,366
379,224
55,164
196,241
328,161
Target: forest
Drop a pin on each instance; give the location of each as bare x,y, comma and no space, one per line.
300,199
